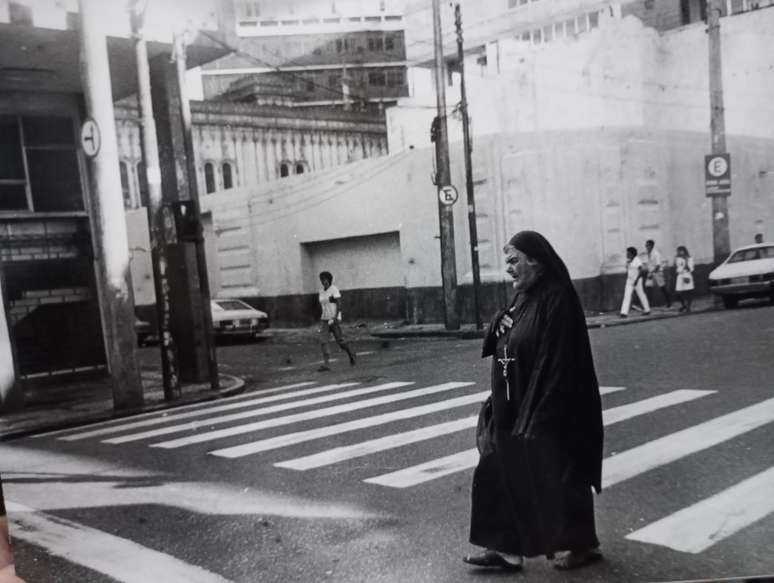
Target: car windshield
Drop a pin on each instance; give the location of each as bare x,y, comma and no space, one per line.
752,254
232,305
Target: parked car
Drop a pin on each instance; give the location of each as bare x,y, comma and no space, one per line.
747,273
232,317
144,331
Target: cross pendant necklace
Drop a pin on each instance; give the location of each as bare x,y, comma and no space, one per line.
504,362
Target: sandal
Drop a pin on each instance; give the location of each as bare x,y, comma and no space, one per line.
574,559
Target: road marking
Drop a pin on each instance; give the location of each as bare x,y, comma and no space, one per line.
437,468
210,421
163,416
302,436
371,446
617,414
698,527
307,415
118,558
674,446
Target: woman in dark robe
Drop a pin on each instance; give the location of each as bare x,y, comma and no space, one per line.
532,488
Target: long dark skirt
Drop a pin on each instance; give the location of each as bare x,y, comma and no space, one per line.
528,500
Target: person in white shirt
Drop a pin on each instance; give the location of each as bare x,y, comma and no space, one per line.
656,264
330,316
634,273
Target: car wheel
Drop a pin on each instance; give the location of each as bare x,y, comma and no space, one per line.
730,302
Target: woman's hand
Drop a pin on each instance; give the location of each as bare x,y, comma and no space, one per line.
505,324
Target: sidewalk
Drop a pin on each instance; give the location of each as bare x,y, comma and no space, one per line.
593,320
55,407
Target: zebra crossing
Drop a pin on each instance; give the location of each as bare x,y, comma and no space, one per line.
277,419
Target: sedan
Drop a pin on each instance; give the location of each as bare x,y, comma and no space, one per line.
232,317
747,273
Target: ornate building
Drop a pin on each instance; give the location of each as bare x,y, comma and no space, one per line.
239,144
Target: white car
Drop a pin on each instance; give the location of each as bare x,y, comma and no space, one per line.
232,317
747,273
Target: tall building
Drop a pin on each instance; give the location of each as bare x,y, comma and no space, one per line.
334,53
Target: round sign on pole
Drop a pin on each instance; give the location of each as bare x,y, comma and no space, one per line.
90,138
447,195
717,166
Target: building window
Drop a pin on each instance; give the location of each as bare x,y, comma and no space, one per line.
389,43
309,85
593,19
583,25
376,79
375,44
284,170
209,177
569,27
339,45
333,81
39,168
19,14
126,190
300,168
537,36
395,78
142,183
548,33
525,36
228,179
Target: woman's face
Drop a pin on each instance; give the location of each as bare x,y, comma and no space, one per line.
524,270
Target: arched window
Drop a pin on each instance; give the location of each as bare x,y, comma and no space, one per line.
284,170
142,183
300,168
209,177
228,181
126,191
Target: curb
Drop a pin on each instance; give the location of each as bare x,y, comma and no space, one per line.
238,385
476,334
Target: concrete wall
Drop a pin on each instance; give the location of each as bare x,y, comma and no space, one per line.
591,193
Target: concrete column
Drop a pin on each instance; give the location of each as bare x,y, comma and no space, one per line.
11,394
107,213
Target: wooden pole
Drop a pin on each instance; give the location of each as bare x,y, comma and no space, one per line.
159,257
443,178
468,147
721,242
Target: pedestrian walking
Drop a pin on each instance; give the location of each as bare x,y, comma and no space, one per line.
540,432
330,318
635,270
684,283
7,569
656,265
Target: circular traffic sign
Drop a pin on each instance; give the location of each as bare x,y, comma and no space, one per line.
447,195
91,140
717,166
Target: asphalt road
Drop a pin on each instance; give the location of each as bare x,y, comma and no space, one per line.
689,441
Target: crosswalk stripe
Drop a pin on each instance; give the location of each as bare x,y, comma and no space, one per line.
700,526
308,415
675,446
191,410
302,436
332,456
617,414
465,460
210,421
437,468
120,559
371,446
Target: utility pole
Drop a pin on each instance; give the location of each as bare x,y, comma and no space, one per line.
107,213
720,233
201,258
443,178
159,258
468,147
